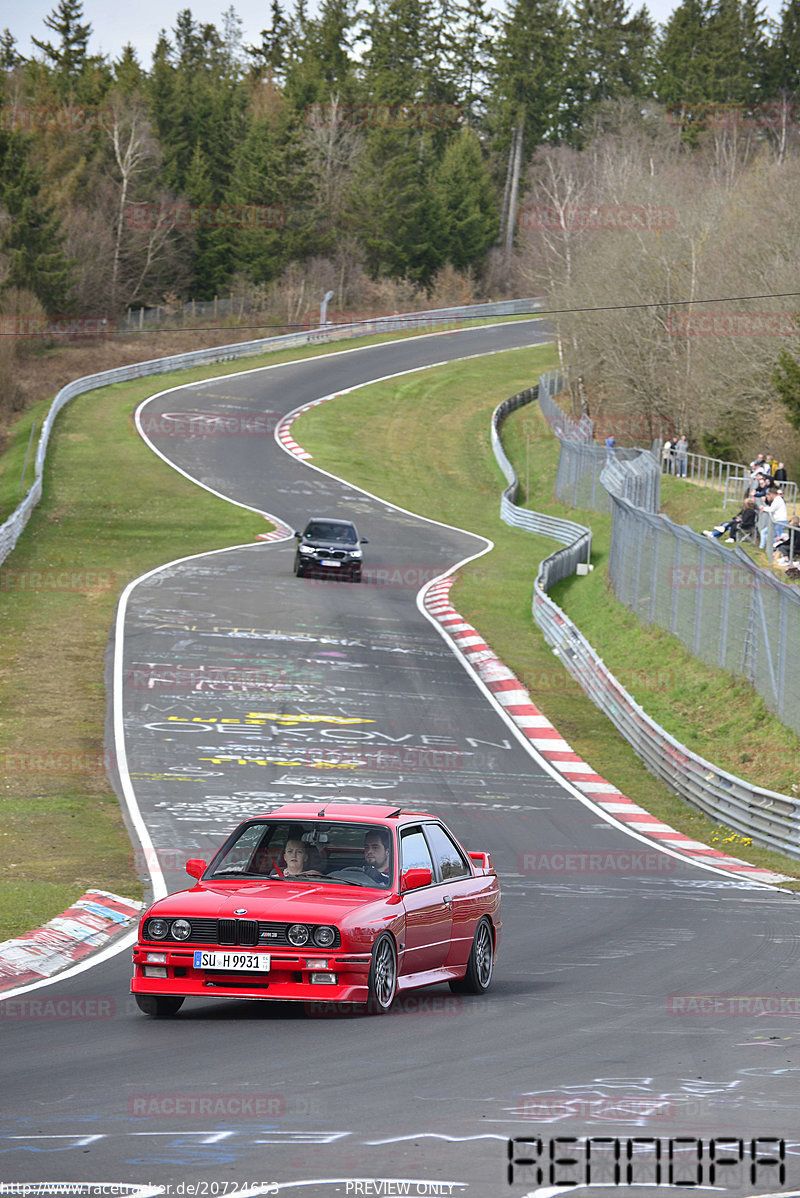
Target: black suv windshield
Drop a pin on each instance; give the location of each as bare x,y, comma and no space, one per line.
323,530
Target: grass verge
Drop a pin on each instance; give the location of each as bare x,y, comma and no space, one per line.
379,438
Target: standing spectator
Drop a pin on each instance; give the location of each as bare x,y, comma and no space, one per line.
775,506
681,455
666,457
759,462
780,474
611,444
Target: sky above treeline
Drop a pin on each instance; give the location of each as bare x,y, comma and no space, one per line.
113,24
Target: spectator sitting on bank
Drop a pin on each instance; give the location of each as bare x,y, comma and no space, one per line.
787,546
761,486
737,528
775,506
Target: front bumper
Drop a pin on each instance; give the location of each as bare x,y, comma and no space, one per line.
289,976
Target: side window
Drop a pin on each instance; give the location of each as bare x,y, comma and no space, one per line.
414,852
447,854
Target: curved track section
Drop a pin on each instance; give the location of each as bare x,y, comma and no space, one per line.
636,996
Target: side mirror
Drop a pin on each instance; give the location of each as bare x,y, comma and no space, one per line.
298,535
365,540
413,879
195,868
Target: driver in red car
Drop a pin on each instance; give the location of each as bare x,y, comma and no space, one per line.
378,855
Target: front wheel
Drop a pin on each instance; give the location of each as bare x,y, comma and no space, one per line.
382,980
480,965
159,1006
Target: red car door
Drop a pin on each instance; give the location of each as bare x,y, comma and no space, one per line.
459,890
428,912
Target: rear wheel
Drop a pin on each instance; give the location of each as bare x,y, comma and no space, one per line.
159,1006
382,980
480,965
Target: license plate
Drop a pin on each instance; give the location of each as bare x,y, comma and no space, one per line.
326,561
232,962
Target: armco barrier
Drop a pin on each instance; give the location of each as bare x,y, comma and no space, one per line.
11,530
769,818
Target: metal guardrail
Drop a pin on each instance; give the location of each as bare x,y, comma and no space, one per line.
576,539
11,530
766,816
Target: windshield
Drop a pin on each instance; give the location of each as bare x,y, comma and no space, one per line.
354,854
325,530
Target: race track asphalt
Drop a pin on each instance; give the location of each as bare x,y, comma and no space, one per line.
599,1022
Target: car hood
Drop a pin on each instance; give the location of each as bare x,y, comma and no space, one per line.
304,902
316,543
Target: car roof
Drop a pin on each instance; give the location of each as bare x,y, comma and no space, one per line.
330,520
366,813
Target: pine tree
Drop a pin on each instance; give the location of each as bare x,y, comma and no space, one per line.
783,71
9,58
465,195
682,63
30,238
400,65
612,51
69,56
530,80
396,214
738,51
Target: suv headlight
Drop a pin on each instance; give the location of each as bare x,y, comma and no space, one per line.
355,553
305,549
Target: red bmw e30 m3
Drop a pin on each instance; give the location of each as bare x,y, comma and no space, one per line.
324,904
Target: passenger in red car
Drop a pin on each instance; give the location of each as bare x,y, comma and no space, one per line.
297,856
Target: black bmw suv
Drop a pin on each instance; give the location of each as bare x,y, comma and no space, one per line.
330,547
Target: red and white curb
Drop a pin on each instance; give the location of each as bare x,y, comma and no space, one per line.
89,924
280,532
547,740
283,433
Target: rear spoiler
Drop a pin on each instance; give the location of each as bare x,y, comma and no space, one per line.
482,863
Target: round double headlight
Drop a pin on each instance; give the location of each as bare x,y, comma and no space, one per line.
298,934
181,929
156,929
324,936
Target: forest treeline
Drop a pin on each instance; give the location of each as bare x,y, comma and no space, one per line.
428,150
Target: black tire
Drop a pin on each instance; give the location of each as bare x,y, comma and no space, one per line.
480,965
355,576
297,569
158,1006
382,980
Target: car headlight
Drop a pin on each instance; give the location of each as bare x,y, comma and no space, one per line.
298,934
305,549
324,936
156,929
181,929
355,553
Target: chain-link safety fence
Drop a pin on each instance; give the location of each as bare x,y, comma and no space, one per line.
769,818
